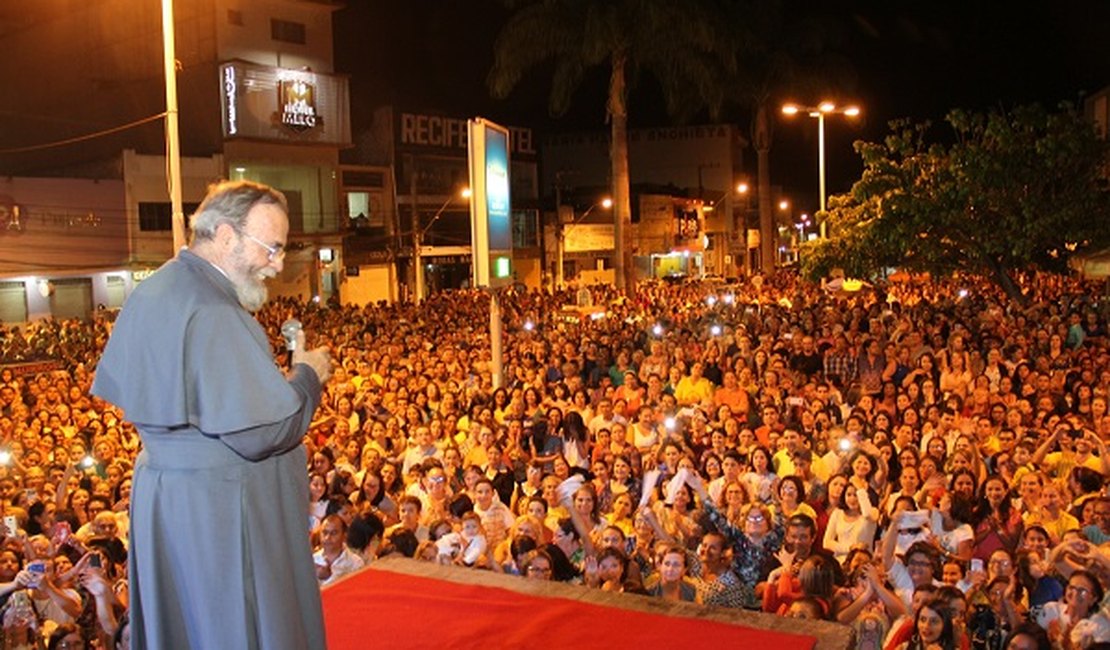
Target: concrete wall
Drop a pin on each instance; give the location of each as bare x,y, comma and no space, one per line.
62,224
373,283
251,40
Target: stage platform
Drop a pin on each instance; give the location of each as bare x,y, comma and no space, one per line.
402,603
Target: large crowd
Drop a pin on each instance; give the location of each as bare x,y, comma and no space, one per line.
923,460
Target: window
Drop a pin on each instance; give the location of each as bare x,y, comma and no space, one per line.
358,178
155,217
287,31
526,232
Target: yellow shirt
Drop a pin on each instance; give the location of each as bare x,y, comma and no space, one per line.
693,391
1055,527
1059,464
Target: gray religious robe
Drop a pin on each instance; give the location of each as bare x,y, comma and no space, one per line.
219,554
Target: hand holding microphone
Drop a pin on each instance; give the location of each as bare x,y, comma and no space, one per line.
318,359
289,331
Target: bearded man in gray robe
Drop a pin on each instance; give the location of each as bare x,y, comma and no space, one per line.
219,550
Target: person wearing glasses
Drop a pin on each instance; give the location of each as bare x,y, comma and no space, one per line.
537,565
222,428
1075,620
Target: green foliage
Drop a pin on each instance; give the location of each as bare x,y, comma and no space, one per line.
1010,190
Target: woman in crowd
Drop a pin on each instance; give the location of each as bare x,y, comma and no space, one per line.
996,523
792,498
853,523
761,481
672,584
933,628
1073,621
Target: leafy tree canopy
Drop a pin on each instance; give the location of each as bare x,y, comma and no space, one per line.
1009,190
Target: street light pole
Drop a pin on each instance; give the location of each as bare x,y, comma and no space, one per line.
173,143
418,241
560,242
819,112
821,163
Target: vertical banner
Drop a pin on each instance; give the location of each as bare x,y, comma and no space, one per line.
490,205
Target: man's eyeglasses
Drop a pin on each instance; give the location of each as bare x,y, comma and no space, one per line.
272,252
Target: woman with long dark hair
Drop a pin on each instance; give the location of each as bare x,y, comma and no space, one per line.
996,523
574,434
933,628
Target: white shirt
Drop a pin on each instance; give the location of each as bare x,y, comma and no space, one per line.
347,562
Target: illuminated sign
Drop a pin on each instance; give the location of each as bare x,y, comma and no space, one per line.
231,120
502,268
298,102
416,130
267,103
490,223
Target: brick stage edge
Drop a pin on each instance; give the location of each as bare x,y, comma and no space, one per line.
402,603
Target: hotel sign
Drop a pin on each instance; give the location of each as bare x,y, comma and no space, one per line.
279,104
298,104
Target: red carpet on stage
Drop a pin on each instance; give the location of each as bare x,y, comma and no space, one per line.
385,609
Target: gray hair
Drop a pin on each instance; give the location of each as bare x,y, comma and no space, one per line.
229,202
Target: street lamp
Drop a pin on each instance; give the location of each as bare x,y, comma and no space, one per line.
560,241
819,112
418,239
802,225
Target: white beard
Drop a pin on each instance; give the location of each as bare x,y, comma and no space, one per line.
252,293
250,284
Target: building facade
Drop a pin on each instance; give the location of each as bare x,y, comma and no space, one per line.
259,100
682,177
419,161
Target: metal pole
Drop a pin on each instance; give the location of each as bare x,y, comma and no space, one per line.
495,338
821,166
417,245
560,248
558,231
173,144
417,269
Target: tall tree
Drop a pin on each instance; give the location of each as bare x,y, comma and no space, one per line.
1009,190
682,44
786,54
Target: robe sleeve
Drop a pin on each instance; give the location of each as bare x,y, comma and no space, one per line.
257,443
231,381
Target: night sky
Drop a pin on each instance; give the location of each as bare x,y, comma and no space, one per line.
898,59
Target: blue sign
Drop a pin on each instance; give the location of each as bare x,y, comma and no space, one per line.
497,189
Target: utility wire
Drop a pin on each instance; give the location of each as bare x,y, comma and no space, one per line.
82,138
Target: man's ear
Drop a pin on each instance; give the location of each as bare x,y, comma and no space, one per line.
226,236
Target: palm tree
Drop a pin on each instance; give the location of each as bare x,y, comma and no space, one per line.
682,43
784,50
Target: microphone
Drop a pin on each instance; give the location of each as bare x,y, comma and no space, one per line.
289,331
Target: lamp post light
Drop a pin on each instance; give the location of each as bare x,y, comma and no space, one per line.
418,240
819,112
560,242
801,226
